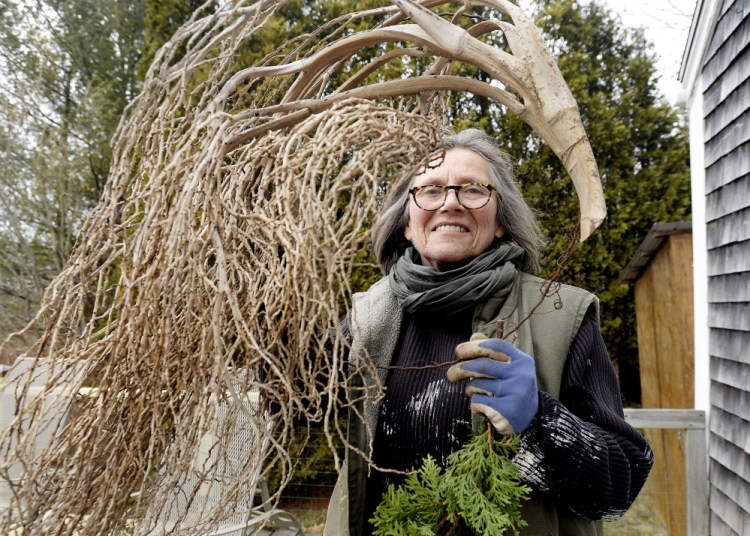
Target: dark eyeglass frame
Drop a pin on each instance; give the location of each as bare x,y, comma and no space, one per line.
456,188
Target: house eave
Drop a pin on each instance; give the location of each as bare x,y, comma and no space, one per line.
704,21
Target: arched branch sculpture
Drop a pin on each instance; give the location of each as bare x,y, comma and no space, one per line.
221,250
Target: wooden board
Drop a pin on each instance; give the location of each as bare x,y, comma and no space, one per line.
734,227
730,168
728,200
729,139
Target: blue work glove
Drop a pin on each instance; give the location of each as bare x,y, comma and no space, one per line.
502,382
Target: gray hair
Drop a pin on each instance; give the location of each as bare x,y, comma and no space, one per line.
513,213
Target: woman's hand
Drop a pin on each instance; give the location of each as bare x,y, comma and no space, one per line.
502,382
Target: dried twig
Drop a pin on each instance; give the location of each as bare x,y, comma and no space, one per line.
217,258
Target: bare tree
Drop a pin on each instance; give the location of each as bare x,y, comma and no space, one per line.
67,69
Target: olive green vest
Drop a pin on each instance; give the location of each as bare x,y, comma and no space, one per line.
545,335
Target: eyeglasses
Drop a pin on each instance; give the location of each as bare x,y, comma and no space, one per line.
470,196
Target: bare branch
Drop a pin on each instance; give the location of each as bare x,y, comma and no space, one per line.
223,245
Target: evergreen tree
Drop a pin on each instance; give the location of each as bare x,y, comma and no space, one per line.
638,139
641,148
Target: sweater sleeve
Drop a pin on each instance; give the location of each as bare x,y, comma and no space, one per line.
579,451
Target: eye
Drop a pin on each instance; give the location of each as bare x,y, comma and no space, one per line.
431,190
475,190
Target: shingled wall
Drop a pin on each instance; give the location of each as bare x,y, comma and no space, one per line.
726,79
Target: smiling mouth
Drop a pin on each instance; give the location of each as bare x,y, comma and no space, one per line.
451,228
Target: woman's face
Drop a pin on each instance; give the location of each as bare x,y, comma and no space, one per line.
452,235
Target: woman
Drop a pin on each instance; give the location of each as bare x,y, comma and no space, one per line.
458,245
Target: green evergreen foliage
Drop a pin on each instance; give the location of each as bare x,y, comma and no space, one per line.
479,492
640,143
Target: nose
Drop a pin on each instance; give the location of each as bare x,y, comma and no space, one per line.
451,201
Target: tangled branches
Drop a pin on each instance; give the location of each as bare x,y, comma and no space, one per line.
217,259
206,272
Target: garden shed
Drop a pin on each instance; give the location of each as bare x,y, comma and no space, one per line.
715,74
662,272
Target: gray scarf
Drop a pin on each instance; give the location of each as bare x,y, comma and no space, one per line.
418,286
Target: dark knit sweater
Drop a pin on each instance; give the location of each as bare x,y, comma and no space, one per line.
422,412
578,451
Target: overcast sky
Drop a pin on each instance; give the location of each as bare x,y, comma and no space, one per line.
666,24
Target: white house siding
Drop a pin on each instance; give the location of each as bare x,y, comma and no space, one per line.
725,83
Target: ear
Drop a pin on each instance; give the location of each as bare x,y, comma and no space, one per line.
499,231
407,231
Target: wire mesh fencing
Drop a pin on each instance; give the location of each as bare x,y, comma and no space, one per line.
674,501
660,508
307,495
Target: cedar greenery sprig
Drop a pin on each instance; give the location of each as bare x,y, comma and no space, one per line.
479,492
